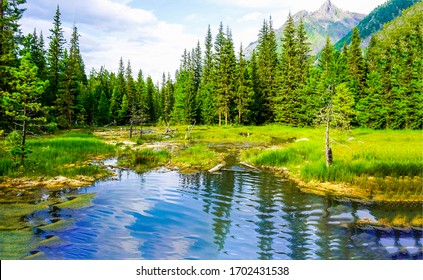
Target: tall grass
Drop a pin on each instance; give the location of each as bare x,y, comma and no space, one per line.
144,159
64,155
198,156
381,161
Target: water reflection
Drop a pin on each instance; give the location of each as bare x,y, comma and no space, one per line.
229,215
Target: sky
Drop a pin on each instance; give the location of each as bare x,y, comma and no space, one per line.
153,34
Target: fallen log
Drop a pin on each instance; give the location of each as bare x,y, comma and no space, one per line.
248,165
216,168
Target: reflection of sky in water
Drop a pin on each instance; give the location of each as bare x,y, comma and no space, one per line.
229,215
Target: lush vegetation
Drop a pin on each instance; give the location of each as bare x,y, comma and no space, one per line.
45,89
69,154
386,164
375,21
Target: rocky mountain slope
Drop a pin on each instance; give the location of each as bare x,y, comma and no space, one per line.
327,20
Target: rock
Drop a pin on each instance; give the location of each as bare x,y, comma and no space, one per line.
302,139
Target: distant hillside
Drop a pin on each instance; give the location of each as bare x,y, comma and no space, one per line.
376,19
327,20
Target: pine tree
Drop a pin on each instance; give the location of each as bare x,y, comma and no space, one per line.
205,100
103,112
10,14
286,105
224,74
267,60
119,91
132,98
22,104
54,57
149,95
244,91
356,68
72,80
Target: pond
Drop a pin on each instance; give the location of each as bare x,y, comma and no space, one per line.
163,214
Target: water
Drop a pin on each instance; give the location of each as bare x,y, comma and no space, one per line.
229,215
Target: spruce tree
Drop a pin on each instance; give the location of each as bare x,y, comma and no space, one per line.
356,70
10,37
267,60
244,91
103,112
22,104
54,57
205,100
286,105
225,62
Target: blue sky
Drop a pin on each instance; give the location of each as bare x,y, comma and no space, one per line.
154,33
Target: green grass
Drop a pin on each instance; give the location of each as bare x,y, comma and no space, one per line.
382,162
144,159
63,155
198,156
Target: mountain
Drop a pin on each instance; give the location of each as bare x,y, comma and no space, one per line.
376,20
327,20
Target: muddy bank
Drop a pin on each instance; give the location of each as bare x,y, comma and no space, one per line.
52,183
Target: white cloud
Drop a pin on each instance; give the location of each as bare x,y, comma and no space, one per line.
251,17
111,29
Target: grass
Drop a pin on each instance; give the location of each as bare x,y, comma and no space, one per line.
385,163
143,159
63,155
198,156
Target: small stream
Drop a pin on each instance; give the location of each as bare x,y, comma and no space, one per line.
162,214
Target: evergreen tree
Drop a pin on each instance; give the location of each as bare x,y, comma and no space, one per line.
356,70
132,98
54,57
103,112
22,103
267,60
149,100
10,37
72,80
205,100
119,91
286,103
224,74
244,91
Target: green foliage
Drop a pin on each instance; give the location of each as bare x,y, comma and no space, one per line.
62,155
144,159
198,156
375,21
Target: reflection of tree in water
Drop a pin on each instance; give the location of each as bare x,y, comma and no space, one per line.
266,209
294,204
218,191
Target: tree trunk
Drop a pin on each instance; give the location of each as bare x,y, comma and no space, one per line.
226,117
23,142
220,118
130,128
328,150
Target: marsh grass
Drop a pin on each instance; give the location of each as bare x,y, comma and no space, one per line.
63,155
143,159
198,156
385,163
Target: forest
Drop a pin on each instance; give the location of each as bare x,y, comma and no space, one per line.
227,148
46,87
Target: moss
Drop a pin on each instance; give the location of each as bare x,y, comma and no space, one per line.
51,241
57,225
80,201
16,244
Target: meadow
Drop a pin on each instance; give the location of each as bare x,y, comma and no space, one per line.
383,165
67,154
